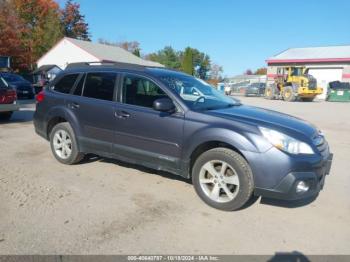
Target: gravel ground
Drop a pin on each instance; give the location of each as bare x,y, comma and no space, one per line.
104,206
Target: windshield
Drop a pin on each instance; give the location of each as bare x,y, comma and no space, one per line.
197,94
12,78
297,71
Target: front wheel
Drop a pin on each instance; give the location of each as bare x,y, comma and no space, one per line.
223,179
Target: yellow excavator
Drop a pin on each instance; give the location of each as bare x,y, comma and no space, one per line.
292,84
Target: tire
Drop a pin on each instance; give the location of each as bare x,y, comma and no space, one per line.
307,99
63,132
288,94
237,178
5,116
269,93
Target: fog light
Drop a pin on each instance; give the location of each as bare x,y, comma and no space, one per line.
302,187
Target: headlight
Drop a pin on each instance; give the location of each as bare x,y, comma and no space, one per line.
285,143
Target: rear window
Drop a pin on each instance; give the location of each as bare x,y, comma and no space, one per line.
100,85
65,84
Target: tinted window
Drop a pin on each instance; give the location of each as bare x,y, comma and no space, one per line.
100,86
140,91
79,87
65,84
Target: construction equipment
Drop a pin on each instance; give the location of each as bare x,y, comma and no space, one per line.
292,84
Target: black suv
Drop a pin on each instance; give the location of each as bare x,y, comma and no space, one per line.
171,121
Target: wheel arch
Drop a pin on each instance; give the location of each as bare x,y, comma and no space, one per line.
208,145
59,115
222,138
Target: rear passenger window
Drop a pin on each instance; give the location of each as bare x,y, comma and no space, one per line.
100,86
65,84
140,91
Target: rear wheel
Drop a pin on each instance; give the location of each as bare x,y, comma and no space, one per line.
288,94
64,145
223,179
5,116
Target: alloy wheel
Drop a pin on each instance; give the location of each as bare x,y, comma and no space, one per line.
219,181
62,144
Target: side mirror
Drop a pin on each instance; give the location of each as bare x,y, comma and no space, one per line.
164,105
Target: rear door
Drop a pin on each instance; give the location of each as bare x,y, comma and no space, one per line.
142,133
92,102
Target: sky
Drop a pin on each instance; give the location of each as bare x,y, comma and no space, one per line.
236,34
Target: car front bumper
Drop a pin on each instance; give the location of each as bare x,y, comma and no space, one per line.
277,173
286,189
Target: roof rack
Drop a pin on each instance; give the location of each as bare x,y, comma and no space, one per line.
110,64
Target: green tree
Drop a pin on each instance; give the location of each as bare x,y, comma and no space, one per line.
137,52
187,62
73,22
166,56
201,63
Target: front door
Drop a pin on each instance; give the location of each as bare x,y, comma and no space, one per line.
151,137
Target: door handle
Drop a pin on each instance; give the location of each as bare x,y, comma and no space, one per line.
73,105
121,114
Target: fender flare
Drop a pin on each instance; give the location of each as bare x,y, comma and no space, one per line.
234,139
65,113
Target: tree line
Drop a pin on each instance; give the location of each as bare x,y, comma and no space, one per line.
29,28
190,60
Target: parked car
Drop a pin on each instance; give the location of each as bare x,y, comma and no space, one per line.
257,89
8,99
22,86
236,88
140,115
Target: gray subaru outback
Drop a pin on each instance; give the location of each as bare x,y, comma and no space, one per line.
171,121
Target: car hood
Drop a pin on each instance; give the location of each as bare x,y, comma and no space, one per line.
266,118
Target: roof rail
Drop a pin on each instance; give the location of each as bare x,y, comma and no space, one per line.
111,64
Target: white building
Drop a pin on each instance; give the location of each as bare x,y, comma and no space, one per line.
326,64
69,50
247,79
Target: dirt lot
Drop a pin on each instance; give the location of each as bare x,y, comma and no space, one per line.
107,207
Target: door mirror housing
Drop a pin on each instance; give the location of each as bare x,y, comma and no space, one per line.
164,105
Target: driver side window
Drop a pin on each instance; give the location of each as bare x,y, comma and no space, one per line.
140,91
